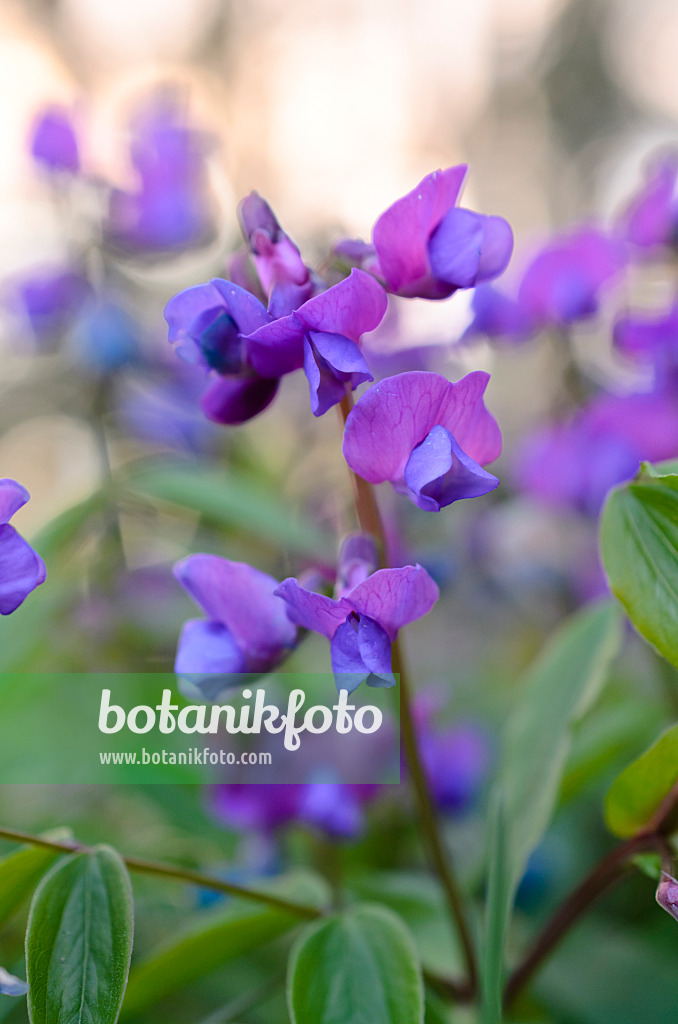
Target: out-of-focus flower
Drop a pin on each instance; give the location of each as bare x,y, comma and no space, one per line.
323,336
364,621
53,141
667,894
276,257
105,337
164,410
456,760
247,628
650,339
456,757
498,316
427,246
563,282
21,568
575,464
649,221
11,986
171,206
429,437
49,298
207,324
334,808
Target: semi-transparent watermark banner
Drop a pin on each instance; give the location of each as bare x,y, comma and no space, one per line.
131,728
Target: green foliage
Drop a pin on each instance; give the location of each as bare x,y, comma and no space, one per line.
639,543
637,794
218,937
359,966
21,871
79,940
560,687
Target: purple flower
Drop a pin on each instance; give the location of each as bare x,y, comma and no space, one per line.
649,221
574,464
275,255
667,894
207,324
429,437
323,336
564,281
426,246
650,339
333,808
21,568
246,630
170,207
498,316
49,298
106,337
364,621
53,141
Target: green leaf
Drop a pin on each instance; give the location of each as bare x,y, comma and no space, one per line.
21,871
637,794
639,544
79,941
357,967
560,687
235,499
218,937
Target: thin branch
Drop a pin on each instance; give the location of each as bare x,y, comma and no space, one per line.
147,867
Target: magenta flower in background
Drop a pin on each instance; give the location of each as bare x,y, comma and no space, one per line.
206,324
49,298
427,246
649,220
429,437
333,808
247,628
575,464
277,260
53,141
21,568
363,622
323,336
170,206
563,283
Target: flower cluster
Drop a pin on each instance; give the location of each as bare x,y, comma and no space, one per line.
428,437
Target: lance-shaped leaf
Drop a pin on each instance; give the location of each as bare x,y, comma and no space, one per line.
79,941
639,544
637,795
358,966
21,871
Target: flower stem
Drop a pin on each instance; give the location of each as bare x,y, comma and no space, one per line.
610,870
371,522
147,867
